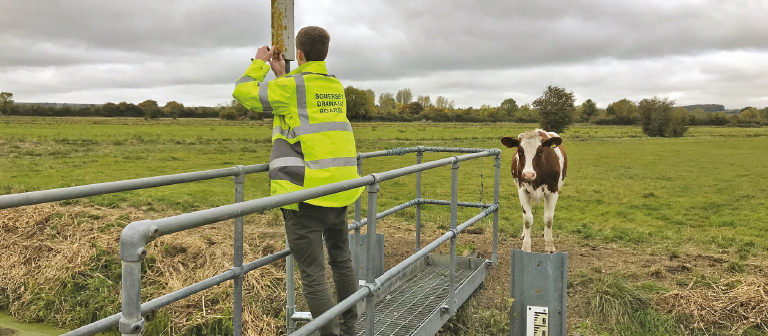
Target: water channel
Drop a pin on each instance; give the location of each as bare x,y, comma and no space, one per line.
10,327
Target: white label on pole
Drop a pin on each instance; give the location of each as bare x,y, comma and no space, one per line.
537,321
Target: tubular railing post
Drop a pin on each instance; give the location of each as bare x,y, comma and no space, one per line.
454,219
419,156
496,168
290,293
356,243
237,318
131,322
132,250
370,302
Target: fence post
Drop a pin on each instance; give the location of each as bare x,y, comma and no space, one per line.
132,250
290,293
131,322
454,220
419,156
356,237
496,182
370,302
237,319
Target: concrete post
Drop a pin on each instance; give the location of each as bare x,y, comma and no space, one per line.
282,28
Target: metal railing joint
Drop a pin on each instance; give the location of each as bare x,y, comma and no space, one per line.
134,238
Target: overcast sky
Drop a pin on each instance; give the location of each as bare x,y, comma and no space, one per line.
474,52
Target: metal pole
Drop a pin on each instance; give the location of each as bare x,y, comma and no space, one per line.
454,219
356,243
237,319
496,180
370,301
131,322
419,156
290,293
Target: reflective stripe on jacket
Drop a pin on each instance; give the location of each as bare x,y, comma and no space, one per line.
312,140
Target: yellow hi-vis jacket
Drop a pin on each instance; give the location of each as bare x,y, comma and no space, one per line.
312,140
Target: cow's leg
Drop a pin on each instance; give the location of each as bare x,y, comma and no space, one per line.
525,201
550,200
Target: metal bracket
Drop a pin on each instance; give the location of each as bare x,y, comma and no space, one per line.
374,187
302,316
444,309
455,232
126,327
372,287
240,177
134,237
239,272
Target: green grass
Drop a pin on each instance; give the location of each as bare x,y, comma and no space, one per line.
617,306
704,188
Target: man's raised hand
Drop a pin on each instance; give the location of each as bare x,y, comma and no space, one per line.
276,62
263,54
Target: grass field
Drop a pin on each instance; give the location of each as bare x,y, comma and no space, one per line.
626,196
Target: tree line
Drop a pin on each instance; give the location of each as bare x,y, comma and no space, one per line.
148,109
555,104
554,109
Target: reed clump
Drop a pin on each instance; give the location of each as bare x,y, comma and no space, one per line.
733,304
60,265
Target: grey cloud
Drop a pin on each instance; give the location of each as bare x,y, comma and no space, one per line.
476,52
503,34
604,81
167,28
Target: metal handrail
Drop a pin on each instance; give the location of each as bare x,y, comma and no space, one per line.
137,234
370,288
60,194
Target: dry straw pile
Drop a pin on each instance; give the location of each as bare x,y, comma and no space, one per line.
734,304
60,265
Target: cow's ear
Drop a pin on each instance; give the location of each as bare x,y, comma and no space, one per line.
552,142
510,142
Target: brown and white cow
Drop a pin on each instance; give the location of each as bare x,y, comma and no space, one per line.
538,169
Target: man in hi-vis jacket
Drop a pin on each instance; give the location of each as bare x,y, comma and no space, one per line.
312,145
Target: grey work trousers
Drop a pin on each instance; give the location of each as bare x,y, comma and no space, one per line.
306,229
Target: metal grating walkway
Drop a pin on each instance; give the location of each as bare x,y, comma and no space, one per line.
414,306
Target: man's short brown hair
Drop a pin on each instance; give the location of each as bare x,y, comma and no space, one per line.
313,42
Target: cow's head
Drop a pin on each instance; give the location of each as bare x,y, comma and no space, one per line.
531,148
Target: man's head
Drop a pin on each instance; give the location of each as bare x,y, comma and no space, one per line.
312,44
